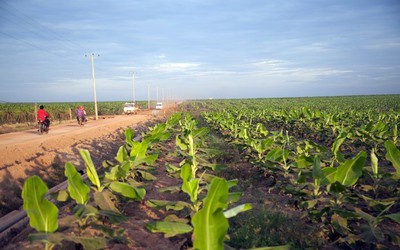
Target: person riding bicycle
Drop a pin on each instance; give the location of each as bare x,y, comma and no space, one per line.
81,113
43,116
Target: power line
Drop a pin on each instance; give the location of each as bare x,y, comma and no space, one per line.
40,29
29,43
59,57
26,23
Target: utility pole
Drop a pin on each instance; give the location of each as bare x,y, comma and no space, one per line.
94,86
148,96
134,87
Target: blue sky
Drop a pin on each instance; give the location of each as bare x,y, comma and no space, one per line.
190,49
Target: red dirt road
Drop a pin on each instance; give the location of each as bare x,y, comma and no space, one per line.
26,153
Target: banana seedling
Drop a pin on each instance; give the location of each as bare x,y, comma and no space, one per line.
206,223
133,158
393,155
42,213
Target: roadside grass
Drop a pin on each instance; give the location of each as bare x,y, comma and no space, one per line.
9,128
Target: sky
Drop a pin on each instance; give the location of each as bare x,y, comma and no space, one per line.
197,49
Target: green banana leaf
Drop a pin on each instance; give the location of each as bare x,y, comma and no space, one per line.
329,173
169,228
317,172
88,243
128,136
146,175
169,205
236,210
90,168
374,163
395,217
393,155
127,190
104,201
122,154
139,149
336,147
43,215
113,217
190,185
277,155
77,189
180,142
210,224
119,172
304,161
348,172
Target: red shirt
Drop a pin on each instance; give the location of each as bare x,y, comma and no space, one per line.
41,114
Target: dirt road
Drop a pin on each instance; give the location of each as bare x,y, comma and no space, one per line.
26,153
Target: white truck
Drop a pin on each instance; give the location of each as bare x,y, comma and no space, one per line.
159,105
130,108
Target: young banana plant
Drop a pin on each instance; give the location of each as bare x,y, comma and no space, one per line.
209,222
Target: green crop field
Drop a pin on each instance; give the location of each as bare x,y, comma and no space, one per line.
337,157
314,173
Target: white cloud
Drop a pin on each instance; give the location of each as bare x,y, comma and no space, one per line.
269,63
286,71
316,47
383,45
176,67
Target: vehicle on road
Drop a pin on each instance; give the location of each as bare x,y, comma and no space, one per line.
43,126
130,108
81,115
81,120
159,105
